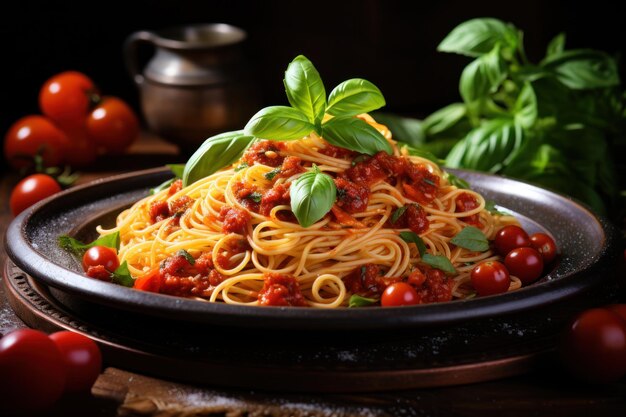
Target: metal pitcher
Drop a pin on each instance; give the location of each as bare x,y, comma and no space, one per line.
196,84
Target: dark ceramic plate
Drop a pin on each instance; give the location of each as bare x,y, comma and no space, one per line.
587,244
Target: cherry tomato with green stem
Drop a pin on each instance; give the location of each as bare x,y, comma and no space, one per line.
545,246
399,294
112,125
31,190
490,277
67,98
32,373
82,359
34,137
101,255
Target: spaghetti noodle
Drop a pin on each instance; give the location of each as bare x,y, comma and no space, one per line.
232,236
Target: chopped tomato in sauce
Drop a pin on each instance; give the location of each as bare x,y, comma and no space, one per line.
280,290
234,220
467,202
99,272
265,152
247,195
291,166
432,285
175,187
337,152
159,210
344,218
368,280
276,196
351,197
414,217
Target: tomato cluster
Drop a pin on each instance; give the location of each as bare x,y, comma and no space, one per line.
78,124
524,257
593,345
37,369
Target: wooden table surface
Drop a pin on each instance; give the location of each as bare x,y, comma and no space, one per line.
545,392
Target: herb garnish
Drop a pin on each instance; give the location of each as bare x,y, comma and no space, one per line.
312,195
78,248
359,301
471,238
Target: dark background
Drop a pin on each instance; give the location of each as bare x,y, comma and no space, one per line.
390,43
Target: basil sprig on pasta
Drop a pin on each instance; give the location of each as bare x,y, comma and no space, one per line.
307,96
312,195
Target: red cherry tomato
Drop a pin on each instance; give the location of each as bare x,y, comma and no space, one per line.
524,263
82,151
593,347
151,281
112,125
101,255
490,277
30,190
545,246
399,294
509,238
82,358
66,98
32,374
619,309
34,135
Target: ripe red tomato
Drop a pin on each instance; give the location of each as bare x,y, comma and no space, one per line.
545,246
34,135
82,357
66,98
593,347
524,263
101,255
32,374
399,294
82,151
112,125
490,277
509,238
30,190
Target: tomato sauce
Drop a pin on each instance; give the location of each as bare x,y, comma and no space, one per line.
265,152
432,285
414,217
466,202
351,197
159,210
99,272
234,220
281,290
276,196
247,195
337,152
291,166
175,187
181,278
368,280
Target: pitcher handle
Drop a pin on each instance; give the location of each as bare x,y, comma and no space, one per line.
130,53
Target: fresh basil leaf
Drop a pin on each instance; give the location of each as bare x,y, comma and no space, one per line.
255,196
241,166
271,174
358,301
397,214
471,238
214,154
583,69
122,276
489,147
312,196
177,169
482,76
305,89
412,237
445,120
76,247
354,97
353,133
526,107
403,129
279,123
439,262
456,181
556,45
490,206
479,36
163,186
422,153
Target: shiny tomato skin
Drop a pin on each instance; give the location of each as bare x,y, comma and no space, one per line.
399,294
524,263
101,255
593,346
82,357
82,151
545,246
32,374
113,125
66,97
33,135
509,238
31,190
490,277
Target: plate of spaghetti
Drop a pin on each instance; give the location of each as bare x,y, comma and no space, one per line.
313,212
